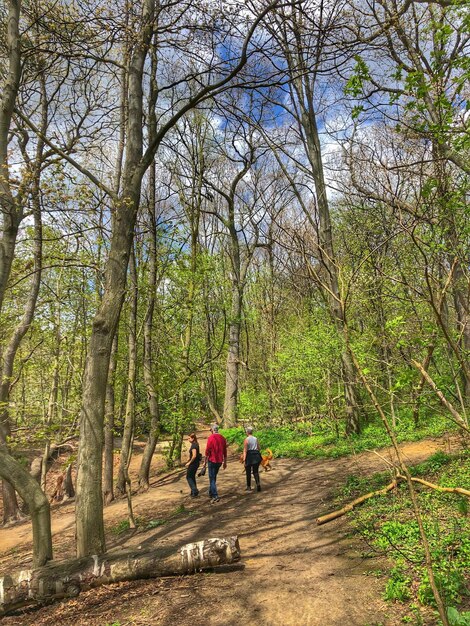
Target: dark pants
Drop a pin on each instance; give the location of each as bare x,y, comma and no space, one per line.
191,478
248,470
213,471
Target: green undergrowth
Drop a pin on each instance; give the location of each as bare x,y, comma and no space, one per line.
387,526
318,440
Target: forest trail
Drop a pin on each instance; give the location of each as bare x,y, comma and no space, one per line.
295,572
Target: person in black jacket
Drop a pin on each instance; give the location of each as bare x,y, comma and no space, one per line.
193,464
252,459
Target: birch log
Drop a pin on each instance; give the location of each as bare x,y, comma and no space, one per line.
64,579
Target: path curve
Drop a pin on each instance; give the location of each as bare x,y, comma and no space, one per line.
295,573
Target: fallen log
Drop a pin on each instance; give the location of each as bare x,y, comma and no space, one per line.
66,579
349,507
459,490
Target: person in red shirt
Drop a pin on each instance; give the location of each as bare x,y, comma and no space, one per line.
216,455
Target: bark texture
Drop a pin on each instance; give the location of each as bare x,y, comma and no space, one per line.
148,365
108,465
129,422
233,360
28,488
69,578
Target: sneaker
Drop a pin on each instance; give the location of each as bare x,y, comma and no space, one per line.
214,500
258,487
247,488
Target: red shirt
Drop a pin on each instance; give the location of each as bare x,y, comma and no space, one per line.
216,448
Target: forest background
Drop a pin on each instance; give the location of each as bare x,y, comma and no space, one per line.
252,213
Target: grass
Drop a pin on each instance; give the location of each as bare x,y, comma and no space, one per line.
318,440
123,525
388,527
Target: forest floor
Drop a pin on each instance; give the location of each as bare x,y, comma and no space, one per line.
293,572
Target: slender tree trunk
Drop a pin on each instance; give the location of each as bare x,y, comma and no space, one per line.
11,207
108,470
328,260
208,382
273,387
129,422
69,490
10,504
459,282
233,360
462,308
239,271
418,391
109,420
152,393
53,395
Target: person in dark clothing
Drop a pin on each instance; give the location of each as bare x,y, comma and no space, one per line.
251,459
193,464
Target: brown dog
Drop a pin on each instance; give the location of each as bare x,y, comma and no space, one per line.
265,458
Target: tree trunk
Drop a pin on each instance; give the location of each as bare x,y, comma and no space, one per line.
457,260
35,498
233,360
89,500
328,260
12,212
69,491
108,470
89,511
11,207
418,390
11,509
240,263
462,308
10,504
68,578
52,404
129,422
152,392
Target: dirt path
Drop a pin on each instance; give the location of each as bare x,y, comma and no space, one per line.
295,573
